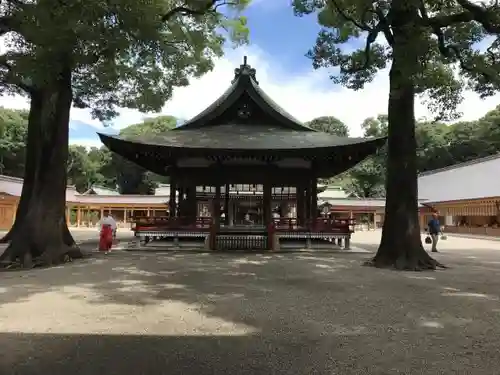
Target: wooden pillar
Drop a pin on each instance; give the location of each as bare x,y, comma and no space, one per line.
102,213
216,207
226,204
267,201
180,208
125,216
78,216
300,204
308,203
14,213
171,201
68,216
314,199
190,203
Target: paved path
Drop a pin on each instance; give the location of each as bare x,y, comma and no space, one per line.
186,313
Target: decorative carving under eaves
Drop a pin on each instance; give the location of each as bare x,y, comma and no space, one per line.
244,112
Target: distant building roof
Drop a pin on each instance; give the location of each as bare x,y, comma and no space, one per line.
332,192
474,179
101,190
14,186
356,202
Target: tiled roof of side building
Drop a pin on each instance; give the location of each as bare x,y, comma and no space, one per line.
101,190
122,199
474,179
14,186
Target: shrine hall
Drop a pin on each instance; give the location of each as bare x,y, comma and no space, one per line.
243,175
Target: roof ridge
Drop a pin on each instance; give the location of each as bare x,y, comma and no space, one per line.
244,83
461,165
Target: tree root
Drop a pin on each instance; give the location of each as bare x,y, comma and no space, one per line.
404,263
12,259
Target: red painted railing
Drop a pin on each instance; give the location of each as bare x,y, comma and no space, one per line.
319,225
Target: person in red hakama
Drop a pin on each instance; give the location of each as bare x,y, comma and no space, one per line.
106,226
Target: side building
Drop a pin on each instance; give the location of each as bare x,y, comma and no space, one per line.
466,196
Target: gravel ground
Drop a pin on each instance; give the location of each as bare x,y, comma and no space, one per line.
296,313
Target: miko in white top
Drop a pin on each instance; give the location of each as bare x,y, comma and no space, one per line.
107,220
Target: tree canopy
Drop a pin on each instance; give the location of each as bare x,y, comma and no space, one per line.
448,35
329,124
121,54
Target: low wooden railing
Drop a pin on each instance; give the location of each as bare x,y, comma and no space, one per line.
171,223
478,231
318,225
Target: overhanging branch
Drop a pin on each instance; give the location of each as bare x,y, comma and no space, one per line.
370,39
8,24
211,6
359,24
381,26
11,78
449,19
448,50
488,17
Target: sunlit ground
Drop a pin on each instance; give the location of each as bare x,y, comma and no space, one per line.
295,313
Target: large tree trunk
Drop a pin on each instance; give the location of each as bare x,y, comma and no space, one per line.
30,171
401,244
40,230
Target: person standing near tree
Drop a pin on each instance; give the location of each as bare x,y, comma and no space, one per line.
434,228
107,225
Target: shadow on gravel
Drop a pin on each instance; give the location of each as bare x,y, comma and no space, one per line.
144,355
34,354
307,313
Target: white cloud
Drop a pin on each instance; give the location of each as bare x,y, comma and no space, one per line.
305,95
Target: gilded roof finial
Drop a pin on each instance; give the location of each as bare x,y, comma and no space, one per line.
244,70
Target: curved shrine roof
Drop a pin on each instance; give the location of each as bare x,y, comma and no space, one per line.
244,121
240,137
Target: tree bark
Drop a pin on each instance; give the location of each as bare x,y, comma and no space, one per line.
401,245
40,230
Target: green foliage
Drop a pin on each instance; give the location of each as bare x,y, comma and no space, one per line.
123,53
130,178
329,124
90,167
367,179
438,146
440,36
154,125
13,132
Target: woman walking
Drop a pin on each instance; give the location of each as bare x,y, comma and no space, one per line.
107,227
